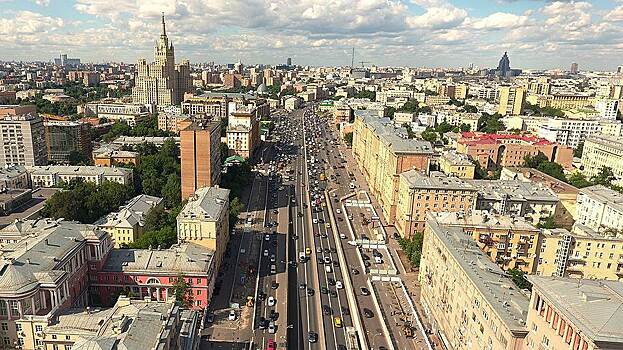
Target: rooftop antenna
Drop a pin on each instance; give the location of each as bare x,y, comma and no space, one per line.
352,58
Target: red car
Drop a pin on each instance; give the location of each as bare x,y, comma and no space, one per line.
271,345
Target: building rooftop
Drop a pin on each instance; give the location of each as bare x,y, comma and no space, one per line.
436,180
131,214
514,190
604,195
207,204
389,134
533,175
457,159
40,246
608,141
594,306
479,138
187,258
129,324
509,303
481,218
135,140
83,170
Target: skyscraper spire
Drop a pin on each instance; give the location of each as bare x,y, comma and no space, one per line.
164,30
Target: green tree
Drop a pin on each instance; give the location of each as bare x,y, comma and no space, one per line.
465,127
413,248
605,177
348,138
235,208
410,106
366,94
577,179
535,161
490,123
519,278
577,152
429,135
470,108
390,112
172,191
182,290
552,169
548,223
410,133
79,158
444,127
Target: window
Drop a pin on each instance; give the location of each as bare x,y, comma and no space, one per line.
38,328
67,346
18,327
67,337
53,336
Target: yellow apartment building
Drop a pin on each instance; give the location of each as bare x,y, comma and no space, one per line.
511,243
468,300
204,220
457,164
419,194
571,314
126,225
582,253
382,152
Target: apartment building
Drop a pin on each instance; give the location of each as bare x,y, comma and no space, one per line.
570,132
456,164
600,208
419,194
204,220
243,132
152,274
125,226
129,324
534,202
14,176
200,155
12,110
66,137
44,271
130,113
603,151
222,104
54,175
382,152
169,119
492,150
575,314
342,112
468,300
567,195
109,155
511,243
512,100
582,253
22,140
564,101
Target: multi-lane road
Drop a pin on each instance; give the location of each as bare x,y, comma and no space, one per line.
297,257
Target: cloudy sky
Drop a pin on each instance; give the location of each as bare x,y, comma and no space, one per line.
432,33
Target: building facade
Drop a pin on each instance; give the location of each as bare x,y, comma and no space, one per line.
65,138
456,164
419,194
243,132
382,155
603,151
600,208
162,83
126,225
22,140
54,175
468,300
200,155
512,100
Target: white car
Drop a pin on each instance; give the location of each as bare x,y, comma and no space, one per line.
232,315
271,301
339,211
339,285
342,236
271,328
267,237
315,221
265,252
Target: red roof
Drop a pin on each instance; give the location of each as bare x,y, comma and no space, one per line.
480,138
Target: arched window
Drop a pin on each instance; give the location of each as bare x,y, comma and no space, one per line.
153,280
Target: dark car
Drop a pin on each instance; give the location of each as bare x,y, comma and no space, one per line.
312,337
274,285
331,281
365,291
345,310
368,313
333,294
263,323
326,310
324,290
273,315
261,296
310,292
302,286
355,271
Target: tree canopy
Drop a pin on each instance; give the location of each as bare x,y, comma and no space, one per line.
490,123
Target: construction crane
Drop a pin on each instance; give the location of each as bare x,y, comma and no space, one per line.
363,62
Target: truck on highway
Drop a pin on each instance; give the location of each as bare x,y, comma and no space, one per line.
322,177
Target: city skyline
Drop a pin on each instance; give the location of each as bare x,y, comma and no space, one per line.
433,33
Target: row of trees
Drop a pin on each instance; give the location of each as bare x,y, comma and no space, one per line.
604,177
413,248
144,128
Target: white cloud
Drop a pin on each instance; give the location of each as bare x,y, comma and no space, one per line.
438,17
615,15
500,20
28,22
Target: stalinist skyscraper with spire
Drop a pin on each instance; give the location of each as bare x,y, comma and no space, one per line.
162,82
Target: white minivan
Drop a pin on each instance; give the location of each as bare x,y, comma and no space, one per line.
327,268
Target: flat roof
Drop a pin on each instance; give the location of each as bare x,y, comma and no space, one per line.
436,180
389,133
594,306
604,195
509,303
514,189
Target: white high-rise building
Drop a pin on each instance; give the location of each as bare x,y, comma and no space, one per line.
162,82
